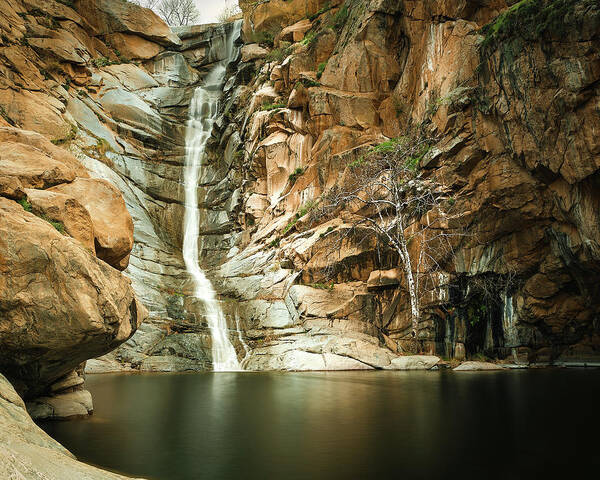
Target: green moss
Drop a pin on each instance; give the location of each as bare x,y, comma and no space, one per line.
273,106
307,207
340,18
70,136
321,11
530,20
58,225
25,204
279,54
322,286
321,69
101,62
296,174
308,83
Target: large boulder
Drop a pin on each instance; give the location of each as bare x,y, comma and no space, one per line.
66,210
41,143
32,167
113,226
59,305
108,16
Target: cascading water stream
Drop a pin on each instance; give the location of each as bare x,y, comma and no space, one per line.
203,113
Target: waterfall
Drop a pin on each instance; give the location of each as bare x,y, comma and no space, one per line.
203,113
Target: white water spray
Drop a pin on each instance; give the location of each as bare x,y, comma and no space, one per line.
204,110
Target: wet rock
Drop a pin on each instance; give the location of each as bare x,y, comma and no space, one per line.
414,362
474,366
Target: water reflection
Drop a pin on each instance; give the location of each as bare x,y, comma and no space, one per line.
339,425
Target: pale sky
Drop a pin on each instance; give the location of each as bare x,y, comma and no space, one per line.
210,9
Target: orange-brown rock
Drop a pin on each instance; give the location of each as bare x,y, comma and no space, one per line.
108,16
134,47
276,14
66,210
36,111
59,304
41,143
113,227
33,168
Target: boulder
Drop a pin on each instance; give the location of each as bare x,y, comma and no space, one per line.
134,47
414,362
108,16
253,51
67,210
34,139
381,279
475,366
35,111
58,47
32,167
59,305
295,33
29,453
11,187
64,405
113,226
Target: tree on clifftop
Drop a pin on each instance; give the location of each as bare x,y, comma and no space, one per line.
383,194
175,13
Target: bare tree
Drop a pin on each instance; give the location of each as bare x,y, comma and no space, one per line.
230,9
174,12
388,198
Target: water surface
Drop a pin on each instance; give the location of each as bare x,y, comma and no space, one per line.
341,425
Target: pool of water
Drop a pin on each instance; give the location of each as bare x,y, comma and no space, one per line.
346,425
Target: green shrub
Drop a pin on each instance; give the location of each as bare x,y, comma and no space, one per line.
25,204
265,38
340,18
530,19
279,54
296,174
101,62
310,38
321,69
307,82
320,12
273,106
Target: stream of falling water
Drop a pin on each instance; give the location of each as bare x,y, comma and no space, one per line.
203,113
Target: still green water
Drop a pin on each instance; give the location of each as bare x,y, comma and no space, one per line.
346,425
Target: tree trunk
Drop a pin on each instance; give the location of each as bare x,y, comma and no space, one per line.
412,288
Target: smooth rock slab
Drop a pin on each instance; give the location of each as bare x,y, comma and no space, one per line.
475,366
66,405
414,362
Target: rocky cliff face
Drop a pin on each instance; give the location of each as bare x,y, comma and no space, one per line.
66,234
508,93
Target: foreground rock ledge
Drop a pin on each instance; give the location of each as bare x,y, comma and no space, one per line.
27,452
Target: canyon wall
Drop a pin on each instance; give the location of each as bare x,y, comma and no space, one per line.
505,92
509,93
